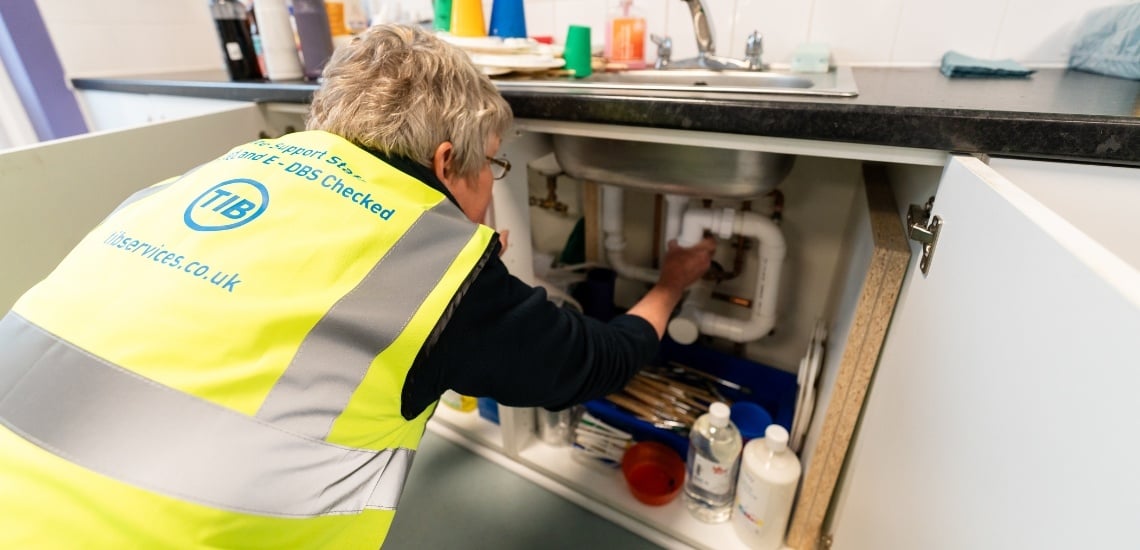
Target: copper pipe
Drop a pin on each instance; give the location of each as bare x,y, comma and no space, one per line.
777,205
734,300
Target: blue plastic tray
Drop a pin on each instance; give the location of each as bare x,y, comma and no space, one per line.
773,389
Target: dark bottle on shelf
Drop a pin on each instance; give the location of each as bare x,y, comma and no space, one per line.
314,34
232,22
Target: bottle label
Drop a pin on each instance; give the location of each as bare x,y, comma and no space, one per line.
233,50
711,476
627,39
751,500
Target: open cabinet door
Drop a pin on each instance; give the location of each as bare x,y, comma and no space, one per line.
53,193
875,267
1004,409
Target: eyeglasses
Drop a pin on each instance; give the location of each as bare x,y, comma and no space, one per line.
499,167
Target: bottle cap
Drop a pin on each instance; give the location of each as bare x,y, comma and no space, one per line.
718,414
776,437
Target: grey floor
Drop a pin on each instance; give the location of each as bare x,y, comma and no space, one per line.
456,499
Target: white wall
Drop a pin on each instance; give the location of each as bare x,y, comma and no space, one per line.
117,37
124,37
860,32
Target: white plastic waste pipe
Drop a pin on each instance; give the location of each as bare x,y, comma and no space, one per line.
612,223
675,206
693,320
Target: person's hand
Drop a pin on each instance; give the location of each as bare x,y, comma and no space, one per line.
503,236
681,268
684,266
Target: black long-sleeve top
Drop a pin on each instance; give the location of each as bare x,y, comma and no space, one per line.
505,340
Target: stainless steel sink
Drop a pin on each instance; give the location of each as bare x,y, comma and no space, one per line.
704,78
838,82
704,172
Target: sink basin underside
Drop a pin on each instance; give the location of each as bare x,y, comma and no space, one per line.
703,172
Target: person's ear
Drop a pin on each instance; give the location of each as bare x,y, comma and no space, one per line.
441,162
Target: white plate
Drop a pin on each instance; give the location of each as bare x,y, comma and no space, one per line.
494,44
810,366
494,71
518,62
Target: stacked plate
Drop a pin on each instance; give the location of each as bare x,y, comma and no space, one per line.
498,56
808,378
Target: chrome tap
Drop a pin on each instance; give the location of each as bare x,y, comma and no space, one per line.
664,50
706,46
702,28
753,50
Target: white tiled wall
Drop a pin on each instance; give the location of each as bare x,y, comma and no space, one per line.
860,32
112,37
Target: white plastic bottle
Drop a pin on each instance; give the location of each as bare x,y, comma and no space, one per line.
714,457
282,62
769,473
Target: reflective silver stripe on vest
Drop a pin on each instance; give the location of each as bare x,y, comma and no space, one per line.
127,427
336,354
148,191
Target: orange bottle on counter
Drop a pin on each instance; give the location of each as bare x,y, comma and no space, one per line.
625,36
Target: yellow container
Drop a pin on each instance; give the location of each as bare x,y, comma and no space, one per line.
458,401
467,18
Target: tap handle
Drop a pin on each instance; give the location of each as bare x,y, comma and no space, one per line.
754,45
664,46
753,50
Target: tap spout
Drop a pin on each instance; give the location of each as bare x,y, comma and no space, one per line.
702,27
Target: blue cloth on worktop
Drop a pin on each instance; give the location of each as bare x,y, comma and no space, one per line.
955,65
1108,42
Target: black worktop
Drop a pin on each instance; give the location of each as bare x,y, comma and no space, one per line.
1055,113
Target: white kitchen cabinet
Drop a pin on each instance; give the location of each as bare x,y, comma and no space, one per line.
1007,363
117,110
1003,413
52,194
850,257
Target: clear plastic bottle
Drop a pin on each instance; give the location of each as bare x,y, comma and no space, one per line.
769,473
714,457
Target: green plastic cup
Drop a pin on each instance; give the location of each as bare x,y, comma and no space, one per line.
577,51
442,21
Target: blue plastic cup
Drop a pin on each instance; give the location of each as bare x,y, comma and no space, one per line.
751,419
508,20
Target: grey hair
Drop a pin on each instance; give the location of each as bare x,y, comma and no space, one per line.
402,91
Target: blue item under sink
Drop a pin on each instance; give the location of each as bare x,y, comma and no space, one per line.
773,389
488,409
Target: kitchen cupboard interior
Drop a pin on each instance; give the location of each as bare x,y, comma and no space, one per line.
843,212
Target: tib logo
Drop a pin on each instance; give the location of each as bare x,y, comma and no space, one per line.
232,203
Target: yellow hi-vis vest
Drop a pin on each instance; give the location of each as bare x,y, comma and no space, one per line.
220,362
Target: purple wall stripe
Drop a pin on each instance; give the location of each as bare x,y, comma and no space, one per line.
29,55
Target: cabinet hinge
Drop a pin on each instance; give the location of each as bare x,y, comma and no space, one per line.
922,227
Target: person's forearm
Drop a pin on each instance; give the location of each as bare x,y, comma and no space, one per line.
657,306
